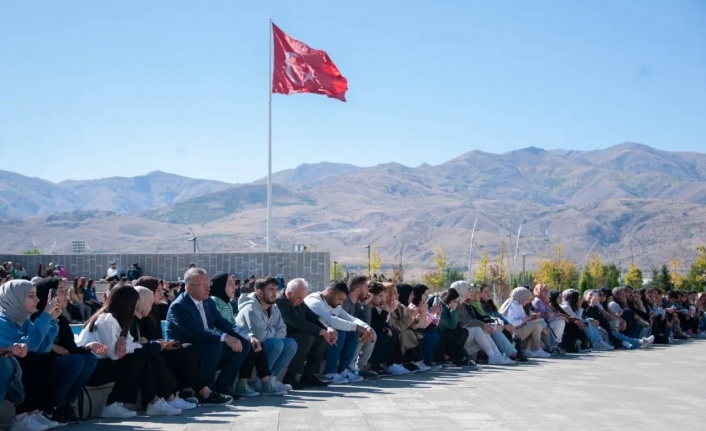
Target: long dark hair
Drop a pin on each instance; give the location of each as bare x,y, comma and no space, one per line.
573,300
418,291
451,294
404,291
554,301
489,305
121,304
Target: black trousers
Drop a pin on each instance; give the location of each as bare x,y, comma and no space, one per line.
383,348
159,380
572,333
184,363
258,361
128,374
36,379
452,345
310,354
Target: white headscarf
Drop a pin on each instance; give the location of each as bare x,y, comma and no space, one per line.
461,287
12,300
519,294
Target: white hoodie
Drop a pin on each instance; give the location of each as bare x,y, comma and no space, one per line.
336,318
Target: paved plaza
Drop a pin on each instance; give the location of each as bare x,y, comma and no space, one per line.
654,389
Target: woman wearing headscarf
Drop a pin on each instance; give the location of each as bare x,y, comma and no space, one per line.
222,292
572,303
430,334
72,366
479,331
573,339
181,359
553,320
18,300
161,383
527,327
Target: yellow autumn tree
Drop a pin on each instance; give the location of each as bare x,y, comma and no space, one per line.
481,274
375,260
558,273
634,276
675,268
436,279
597,270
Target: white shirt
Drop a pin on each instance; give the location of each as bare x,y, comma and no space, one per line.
202,312
107,331
113,272
515,314
336,318
615,308
567,308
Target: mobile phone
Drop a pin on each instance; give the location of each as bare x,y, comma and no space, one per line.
53,293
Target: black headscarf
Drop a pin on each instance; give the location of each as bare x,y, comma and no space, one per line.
418,290
43,287
554,301
218,286
404,291
451,294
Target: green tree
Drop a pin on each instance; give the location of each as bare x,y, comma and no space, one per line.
586,282
33,251
453,275
634,276
612,275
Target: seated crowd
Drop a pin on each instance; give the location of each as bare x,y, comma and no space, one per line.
223,341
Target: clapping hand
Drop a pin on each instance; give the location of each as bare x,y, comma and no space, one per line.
52,306
19,350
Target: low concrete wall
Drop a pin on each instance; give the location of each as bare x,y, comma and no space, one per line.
314,267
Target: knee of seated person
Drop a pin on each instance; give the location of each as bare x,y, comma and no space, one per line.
290,343
7,369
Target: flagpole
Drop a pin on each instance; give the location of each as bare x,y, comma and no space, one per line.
269,144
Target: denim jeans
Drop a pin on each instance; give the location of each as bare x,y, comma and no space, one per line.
429,343
633,342
593,334
279,351
71,372
504,345
339,356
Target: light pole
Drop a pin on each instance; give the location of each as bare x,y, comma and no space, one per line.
369,269
517,247
470,253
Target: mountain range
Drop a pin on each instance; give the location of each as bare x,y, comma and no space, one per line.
636,203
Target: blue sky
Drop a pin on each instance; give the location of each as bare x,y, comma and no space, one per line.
93,89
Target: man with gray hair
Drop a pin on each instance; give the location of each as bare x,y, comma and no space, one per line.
305,327
193,318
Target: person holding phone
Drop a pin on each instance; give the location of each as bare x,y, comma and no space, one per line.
528,327
30,341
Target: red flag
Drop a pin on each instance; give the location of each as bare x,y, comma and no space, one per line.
301,69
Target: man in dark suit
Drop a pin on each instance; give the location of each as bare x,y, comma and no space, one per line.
312,337
193,318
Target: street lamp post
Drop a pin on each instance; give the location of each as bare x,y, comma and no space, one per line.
470,253
369,268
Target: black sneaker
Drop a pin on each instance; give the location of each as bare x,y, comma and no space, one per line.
368,374
56,415
313,381
70,414
214,399
381,371
411,367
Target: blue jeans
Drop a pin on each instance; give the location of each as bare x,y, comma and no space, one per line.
633,342
339,356
593,334
428,343
7,377
71,372
279,352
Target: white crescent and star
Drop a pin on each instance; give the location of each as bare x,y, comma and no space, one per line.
308,74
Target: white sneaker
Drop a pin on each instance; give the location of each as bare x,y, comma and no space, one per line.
117,411
352,378
180,404
647,341
335,379
541,353
279,385
256,384
500,360
28,423
39,417
397,370
422,366
161,408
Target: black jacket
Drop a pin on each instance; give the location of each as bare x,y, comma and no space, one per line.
298,319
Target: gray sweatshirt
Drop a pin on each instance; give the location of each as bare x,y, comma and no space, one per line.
337,318
254,319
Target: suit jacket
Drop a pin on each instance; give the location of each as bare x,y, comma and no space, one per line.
184,323
298,319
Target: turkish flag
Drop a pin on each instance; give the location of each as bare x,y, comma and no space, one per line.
301,69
